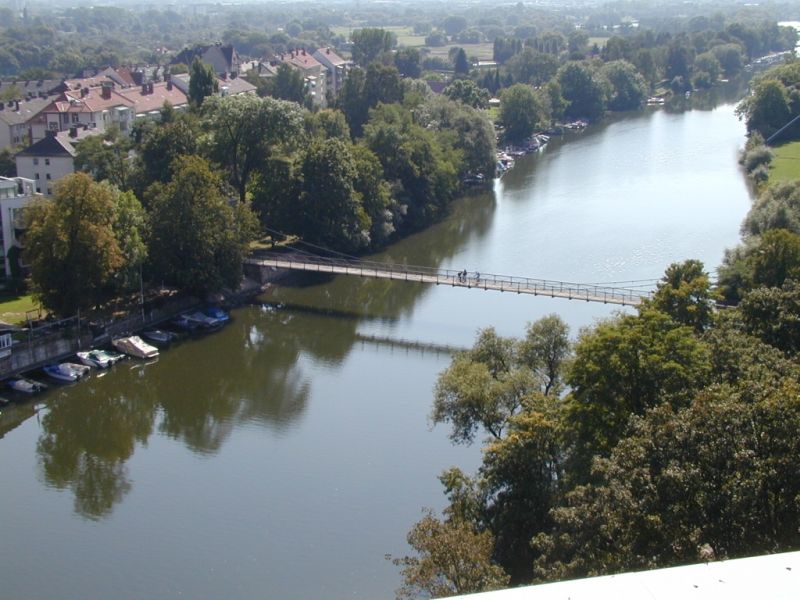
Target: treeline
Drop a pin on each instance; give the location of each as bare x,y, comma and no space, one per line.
661,438
179,202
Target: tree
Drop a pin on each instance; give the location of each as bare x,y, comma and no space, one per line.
583,90
461,64
454,24
545,349
70,245
370,43
628,89
407,62
623,367
130,231
715,478
106,157
202,82
532,67
777,207
684,293
244,131
773,315
8,166
332,212
198,241
452,560
288,84
767,109
160,146
706,69
520,111
467,92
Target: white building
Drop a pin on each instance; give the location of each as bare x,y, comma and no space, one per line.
15,195
14,118
335,66
48,160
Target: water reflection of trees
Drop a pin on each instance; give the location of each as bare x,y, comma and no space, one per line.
201,390
87,439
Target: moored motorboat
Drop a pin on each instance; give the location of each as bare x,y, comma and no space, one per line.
215,312
158,336
26,386
100,359
203,320
135,346
61,372
80,370
183,323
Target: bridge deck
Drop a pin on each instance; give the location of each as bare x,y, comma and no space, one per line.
500,283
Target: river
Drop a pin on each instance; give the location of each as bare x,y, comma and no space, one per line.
285,455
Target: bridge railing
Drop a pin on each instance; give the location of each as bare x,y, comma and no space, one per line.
505,283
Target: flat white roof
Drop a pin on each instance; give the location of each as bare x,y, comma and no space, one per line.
771,577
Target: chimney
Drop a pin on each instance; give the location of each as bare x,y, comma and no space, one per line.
144,89
84,92
73,132
106,90
50,133
2,105
150,88
169,85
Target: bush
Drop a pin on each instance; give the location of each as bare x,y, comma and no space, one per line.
760,174
757,157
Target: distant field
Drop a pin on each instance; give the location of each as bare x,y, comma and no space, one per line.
600,41
786,164
483,51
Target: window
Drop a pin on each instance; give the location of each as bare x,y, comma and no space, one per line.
47,176
37,175
36,162
76,118
47,161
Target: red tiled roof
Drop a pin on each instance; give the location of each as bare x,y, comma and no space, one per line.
143,103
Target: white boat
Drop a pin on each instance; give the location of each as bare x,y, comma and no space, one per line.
135,346
80,370
100,359
26,386
62,372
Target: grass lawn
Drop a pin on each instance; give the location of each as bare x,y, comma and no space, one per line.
13,308
483,51
600,41
786,164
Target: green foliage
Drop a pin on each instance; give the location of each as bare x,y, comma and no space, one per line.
757,157
777,207
407,61
244,131
106,157
461,64
532,67
623,367
288,84
370,43
452,559
70,245
8,166
773,315
713,480
198,241
160,146
331,208
628,89
584,91
467,92
202,82
520,112
684,293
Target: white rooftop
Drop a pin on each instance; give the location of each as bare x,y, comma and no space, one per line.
771,577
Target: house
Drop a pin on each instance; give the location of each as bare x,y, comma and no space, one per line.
226,86
26,89
336,68
16,193
148,99
223,59
92,108
314,74
14,118
51,158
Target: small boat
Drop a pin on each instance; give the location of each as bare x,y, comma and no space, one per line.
203,320
100,359
135,346
61,372
215,312
26,386
183,323
158,336
80,370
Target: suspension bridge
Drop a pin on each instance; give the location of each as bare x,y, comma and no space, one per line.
589,292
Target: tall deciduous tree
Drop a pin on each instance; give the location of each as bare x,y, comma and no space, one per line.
244,131
70,245
202,82
370,43
583,90
198,241
520,111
